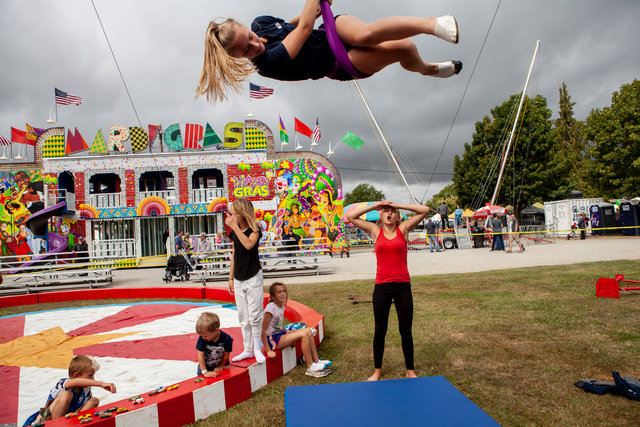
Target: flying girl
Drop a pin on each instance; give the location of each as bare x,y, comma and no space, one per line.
294,50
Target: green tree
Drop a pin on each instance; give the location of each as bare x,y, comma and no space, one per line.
446,195
530,173
614,134
570,147
363,193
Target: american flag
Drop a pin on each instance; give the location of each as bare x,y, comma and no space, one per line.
316,135
4,141
65,98
259,92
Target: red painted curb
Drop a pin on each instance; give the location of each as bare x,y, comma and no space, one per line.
190,401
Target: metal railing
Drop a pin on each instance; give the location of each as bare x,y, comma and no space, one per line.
57,195
537,233
168,195
206,195
113,248
105,200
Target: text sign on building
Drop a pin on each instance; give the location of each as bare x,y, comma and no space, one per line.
251,181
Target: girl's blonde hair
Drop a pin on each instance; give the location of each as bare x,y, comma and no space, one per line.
246,214
220,69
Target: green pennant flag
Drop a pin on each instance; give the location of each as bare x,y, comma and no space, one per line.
210,137
352,140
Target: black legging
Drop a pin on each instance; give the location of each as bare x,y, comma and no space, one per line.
384,294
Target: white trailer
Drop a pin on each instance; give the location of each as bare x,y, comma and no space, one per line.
560,215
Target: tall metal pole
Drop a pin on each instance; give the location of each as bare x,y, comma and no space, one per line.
515,124
386,144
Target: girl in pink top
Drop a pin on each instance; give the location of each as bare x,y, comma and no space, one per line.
393,284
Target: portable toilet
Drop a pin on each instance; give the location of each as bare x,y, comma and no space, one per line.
629,217
606,216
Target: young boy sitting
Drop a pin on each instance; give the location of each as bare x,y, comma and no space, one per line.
72,394
214,346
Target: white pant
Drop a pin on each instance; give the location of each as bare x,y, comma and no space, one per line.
249,297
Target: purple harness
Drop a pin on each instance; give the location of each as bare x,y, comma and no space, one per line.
337,47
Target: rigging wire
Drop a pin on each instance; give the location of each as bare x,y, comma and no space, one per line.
391,171
384,151
524,169
405,161
126,88
493,166
117,65
462,99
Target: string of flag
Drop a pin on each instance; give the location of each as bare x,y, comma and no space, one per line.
350,139
143,139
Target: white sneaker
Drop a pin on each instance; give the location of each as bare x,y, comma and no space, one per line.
317,374
447,29
448,69
318,366
242,356
326,363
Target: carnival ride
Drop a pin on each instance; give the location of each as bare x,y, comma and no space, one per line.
56,244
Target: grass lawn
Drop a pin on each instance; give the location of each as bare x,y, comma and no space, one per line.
513,341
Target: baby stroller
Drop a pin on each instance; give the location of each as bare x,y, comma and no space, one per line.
178,266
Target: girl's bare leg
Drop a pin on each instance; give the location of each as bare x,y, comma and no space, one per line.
308,345
373,59
355,32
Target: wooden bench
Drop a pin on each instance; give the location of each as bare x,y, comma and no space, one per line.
38,281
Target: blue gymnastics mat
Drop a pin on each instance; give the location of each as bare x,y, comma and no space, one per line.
427,401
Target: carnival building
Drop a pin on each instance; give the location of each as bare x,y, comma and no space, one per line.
122,194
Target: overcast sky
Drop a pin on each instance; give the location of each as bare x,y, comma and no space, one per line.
588,44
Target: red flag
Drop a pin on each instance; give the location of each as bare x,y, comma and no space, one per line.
152,134
18,136
302,128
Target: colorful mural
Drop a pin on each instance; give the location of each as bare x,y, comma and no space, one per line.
21,196
309,204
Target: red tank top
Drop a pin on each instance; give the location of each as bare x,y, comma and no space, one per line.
391,258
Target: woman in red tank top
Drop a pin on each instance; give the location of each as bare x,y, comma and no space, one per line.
393,284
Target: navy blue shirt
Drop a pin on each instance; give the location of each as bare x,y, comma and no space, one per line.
178,242
314,61
214,350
